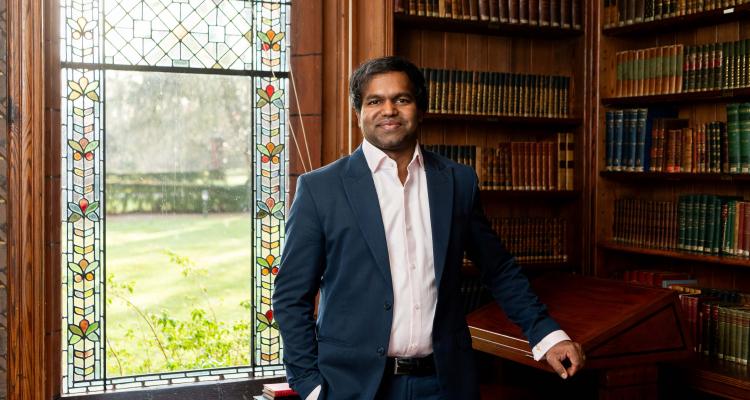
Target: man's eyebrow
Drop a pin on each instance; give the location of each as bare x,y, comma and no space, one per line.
377,96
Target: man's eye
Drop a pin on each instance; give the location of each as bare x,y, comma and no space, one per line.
373,102
404,100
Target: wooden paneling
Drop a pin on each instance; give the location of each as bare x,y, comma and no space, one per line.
27,329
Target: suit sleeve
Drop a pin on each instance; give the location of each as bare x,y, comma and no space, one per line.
504,278
297,284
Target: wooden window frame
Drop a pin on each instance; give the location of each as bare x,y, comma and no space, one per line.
34,275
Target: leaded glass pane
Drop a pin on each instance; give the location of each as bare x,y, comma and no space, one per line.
270,166
82,206
173,174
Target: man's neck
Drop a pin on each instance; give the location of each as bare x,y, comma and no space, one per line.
402,159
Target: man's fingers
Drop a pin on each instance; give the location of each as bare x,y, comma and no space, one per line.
554,362
577,359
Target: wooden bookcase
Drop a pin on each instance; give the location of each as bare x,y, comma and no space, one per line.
469,45
610,258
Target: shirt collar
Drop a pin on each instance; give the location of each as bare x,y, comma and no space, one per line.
376,157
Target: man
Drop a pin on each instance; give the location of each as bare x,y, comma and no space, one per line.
382,233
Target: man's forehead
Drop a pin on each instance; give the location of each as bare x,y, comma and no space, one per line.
398,84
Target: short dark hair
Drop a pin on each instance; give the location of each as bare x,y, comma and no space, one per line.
364,73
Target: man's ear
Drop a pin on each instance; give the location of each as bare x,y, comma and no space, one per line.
359,117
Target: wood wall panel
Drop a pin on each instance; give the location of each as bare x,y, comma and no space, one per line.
27,370
3,204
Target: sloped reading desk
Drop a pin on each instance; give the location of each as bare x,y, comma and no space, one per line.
625,330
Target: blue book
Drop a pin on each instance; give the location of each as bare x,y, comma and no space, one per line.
640,145
632,138
619,127
610,150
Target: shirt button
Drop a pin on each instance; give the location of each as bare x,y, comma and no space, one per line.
408,227
413,266
417,306
381,351
387,305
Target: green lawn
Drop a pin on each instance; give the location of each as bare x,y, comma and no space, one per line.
220,244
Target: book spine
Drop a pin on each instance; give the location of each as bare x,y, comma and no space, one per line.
640,152
576,16
554,12
533,12
570,161
744,136
503,11
561,161
609,140
484,10
544,13
618,138
565,10
513,11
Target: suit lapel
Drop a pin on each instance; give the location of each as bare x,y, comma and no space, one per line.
363,199
440,194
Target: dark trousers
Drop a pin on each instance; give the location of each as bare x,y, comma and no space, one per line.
408,387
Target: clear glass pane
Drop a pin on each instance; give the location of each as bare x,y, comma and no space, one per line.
178,221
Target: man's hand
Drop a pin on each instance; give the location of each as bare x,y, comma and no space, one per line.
571,351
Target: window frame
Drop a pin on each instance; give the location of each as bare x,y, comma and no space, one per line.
34,305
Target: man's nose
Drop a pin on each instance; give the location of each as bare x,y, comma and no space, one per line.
389,108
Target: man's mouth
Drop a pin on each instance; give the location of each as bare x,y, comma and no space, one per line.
389,125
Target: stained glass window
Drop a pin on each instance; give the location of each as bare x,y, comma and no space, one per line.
174,170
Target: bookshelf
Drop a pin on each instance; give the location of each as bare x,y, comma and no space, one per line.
499,47
707,34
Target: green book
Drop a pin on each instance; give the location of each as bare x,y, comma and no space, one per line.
731,216
688,83
722,333
701,223
682,222
723,64
744,120
693,222
711,225
745,61
733,134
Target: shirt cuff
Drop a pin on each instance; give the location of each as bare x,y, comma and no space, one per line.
545,344
315,393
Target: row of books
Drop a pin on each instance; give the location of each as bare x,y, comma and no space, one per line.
694,150
533,240
557,13
656,70
702,223
714,225
682,69
627,12
542,165
719,322
638,140
497,93
645,223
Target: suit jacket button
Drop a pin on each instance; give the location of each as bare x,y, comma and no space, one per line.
381,351
387,305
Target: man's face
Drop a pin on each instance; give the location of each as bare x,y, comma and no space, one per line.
389,116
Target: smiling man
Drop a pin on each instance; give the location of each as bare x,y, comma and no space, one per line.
381,234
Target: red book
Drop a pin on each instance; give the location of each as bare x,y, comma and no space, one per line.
276,390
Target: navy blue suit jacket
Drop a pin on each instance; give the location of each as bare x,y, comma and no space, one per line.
335,243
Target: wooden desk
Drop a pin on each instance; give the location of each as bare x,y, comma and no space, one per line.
625,330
